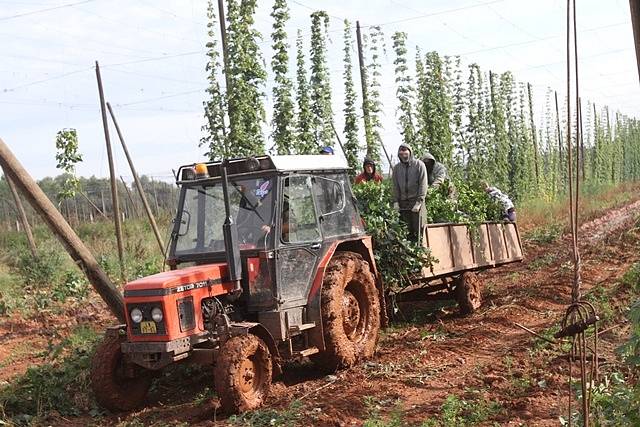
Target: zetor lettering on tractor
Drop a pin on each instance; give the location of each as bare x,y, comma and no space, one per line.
269,262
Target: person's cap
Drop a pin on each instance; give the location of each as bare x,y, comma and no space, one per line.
326,150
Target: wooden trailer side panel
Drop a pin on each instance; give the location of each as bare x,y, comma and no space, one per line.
459,248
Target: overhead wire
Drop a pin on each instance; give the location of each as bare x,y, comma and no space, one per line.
34,12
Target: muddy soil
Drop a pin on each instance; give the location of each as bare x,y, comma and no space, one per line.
436,353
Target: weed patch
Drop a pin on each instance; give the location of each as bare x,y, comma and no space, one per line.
61,385
269,417
456,411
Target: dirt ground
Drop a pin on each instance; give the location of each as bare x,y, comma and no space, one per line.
433,354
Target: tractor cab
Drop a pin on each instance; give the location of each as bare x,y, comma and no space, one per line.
286,210
269,261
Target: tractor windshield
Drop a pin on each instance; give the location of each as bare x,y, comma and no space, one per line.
203,214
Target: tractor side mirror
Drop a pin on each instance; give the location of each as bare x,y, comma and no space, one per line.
330,195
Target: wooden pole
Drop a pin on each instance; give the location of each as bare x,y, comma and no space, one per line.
610,146
634,5
72,243
134,211
560,163
93,204
22,215
533,135
112,175
365,98
155,196
136,180
582,158
227,77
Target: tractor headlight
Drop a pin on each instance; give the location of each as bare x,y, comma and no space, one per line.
156,314
136,315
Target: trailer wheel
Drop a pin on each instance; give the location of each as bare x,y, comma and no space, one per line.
468,292
117,385
243,373
350,312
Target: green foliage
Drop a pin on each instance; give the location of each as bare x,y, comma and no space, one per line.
632,277
282,102
545,234
67,156
320,83
74,285
630,351
305,142
471,205
456,411
61,385
40,271
246,79
269,417
375,419
614,402
374,44
405,91
214,129
397,257
433,111
351,145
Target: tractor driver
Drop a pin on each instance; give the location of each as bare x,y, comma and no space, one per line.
255,213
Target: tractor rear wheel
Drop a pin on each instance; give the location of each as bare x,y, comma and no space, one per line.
468,292
117,385
243,373
350,312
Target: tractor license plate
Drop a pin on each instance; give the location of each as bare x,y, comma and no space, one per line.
148,327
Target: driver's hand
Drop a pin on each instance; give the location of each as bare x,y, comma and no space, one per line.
265,229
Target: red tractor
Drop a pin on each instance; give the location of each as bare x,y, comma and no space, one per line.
269,262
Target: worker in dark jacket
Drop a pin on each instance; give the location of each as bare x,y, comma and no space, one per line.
436,171
409,190
368,172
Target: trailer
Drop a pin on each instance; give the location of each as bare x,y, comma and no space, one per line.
461,251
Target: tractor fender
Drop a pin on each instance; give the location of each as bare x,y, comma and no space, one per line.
254,328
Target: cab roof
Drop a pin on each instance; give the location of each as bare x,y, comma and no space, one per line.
285,163
292,163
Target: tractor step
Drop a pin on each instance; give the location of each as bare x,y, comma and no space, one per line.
306,352
296,329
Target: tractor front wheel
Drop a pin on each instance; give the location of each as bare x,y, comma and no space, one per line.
350,312
468,292
117,385
243,374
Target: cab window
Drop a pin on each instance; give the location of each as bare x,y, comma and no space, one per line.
299,221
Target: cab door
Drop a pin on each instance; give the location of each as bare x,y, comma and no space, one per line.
300,240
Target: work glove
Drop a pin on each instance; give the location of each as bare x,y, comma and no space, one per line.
396,206
416,207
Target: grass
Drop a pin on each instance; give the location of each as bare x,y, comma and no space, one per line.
269,417
456,411
537,213
29,285
61,385
374,417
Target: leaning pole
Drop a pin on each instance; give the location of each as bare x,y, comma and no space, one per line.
56,222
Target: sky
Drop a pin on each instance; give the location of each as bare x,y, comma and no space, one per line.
152,60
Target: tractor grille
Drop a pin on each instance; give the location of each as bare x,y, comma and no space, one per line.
136,328
186,314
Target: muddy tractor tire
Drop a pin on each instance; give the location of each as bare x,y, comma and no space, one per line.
468,292
350,312
243,374
117,386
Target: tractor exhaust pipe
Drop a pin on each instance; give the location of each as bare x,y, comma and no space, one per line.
230,233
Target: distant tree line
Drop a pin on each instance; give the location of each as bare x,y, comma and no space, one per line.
479,123
92,199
